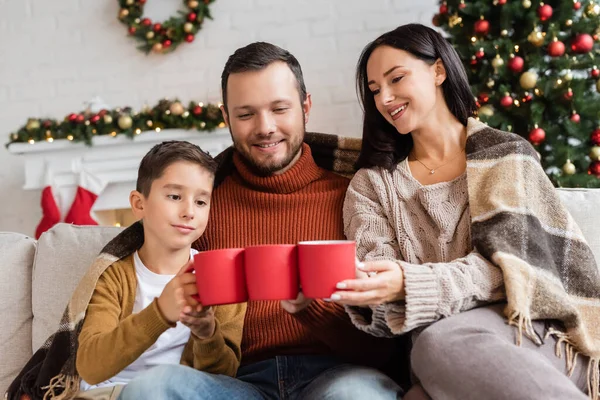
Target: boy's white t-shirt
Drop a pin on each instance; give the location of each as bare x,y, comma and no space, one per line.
168,347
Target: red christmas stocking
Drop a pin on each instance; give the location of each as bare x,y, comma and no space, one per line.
50,212
87,192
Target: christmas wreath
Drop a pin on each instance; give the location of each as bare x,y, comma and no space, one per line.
166,36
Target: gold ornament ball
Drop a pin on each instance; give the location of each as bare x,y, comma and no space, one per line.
123,13
536,38
528,80
490,83
149,35
568,76
107,119
129,2
188,27
125,122
454,20
526,3
595,153
192,4
176,108
157,47
569,22
14,136
497,62
487,110
569,168
32,124
592,10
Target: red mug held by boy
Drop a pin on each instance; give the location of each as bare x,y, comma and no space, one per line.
220,277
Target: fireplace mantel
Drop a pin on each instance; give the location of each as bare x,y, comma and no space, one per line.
113,160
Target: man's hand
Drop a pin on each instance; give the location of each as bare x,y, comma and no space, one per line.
294,306
172,298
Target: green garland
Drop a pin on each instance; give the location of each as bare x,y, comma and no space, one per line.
163,37
82,127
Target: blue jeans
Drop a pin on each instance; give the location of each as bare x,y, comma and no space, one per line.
283,377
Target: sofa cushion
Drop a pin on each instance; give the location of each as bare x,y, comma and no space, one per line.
64,254
16,260
584,206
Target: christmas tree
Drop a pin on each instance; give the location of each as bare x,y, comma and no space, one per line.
534,68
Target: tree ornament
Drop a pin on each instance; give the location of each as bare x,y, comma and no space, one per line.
473,61
503,33
582,43
506,101
497,62
157,27
569,94
527,97
595,153
528,80
80,118
545,12
568,75
536,38
486,110
444,8
595,137
595,72
125,122
107,119
188,27
501,2
32,124
576,118
462,5
95,119
556,48
454,20
177,108
516,63
192,17
197,110
480,53
576,5
594,169
490,83
123,13
537,135
569,168
166,44
482,26
132,30
193,4
569,22
157,48
592,10
189,38
146,22
149,35
483,97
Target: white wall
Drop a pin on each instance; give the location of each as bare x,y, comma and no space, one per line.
56,54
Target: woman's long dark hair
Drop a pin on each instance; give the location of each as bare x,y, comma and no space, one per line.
382,145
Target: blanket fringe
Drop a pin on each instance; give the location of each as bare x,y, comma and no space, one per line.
524,325
69,384
571,353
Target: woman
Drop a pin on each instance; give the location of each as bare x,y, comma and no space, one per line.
450,216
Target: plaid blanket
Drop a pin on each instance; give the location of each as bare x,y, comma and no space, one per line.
518,223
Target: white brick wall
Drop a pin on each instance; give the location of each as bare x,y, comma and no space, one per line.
54,55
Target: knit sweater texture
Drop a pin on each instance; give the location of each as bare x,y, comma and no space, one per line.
303,203
427,230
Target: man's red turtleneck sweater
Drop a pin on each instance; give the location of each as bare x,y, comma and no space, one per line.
304,203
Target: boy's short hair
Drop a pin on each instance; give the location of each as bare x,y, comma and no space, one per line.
162,155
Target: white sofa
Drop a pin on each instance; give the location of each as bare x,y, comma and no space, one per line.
37,277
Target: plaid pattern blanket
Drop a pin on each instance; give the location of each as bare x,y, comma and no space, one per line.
518,223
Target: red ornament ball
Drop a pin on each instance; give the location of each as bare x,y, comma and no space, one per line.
596,137
444,8
146,22
189,38
594,169
501,2
102,112
157,27
568,95
575,118
506,101
582,43
482,27
556,48
47,124
515,64
473,61
483,97
142,1
80,118
479,53
545,12
132,30
197,110
537,136
577,5
95,119
72,117
166,44
595,73
462,5
191,17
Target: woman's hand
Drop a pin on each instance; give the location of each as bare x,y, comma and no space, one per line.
383,283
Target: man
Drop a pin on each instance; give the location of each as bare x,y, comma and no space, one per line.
271,191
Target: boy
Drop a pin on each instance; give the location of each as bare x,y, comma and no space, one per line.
141,312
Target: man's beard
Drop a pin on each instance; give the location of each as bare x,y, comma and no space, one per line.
266,169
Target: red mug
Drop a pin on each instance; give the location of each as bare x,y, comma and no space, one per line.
322,264
271,272
220,277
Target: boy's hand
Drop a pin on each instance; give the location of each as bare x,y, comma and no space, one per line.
200,320
172,299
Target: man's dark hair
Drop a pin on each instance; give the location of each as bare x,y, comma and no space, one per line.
162,155
257,56
382,145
